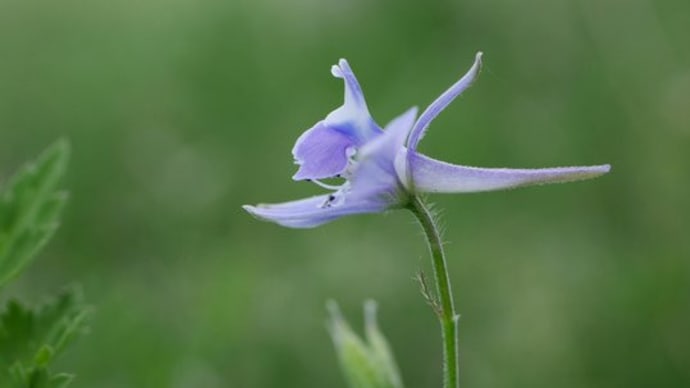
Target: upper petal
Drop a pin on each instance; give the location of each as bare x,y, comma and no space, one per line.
434,176
353,92
323,151
314,211
353,117
442,102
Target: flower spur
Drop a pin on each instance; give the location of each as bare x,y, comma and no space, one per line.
382,168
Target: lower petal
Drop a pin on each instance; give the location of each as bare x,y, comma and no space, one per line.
314,211
434,176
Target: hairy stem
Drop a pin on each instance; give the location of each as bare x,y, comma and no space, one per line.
446,309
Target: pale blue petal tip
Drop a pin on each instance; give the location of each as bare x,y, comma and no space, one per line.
436,107
337,73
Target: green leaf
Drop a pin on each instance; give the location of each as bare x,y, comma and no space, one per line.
31,339
35,378
35,337
17,374
39,379
44,355
30,206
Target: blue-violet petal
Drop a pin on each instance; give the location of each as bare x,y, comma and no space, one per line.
442,102
434,176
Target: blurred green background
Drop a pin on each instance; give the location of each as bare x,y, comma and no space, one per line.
181,111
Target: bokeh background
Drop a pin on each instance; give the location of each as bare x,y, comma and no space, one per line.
181,111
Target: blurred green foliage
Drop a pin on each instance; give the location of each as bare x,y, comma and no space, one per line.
31,338
181,111
30,206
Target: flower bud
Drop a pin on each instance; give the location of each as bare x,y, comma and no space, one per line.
367,363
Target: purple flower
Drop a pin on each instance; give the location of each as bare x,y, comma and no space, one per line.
382,169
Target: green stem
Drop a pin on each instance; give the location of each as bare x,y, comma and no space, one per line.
445,309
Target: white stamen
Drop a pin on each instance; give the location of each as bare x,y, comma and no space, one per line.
327,186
